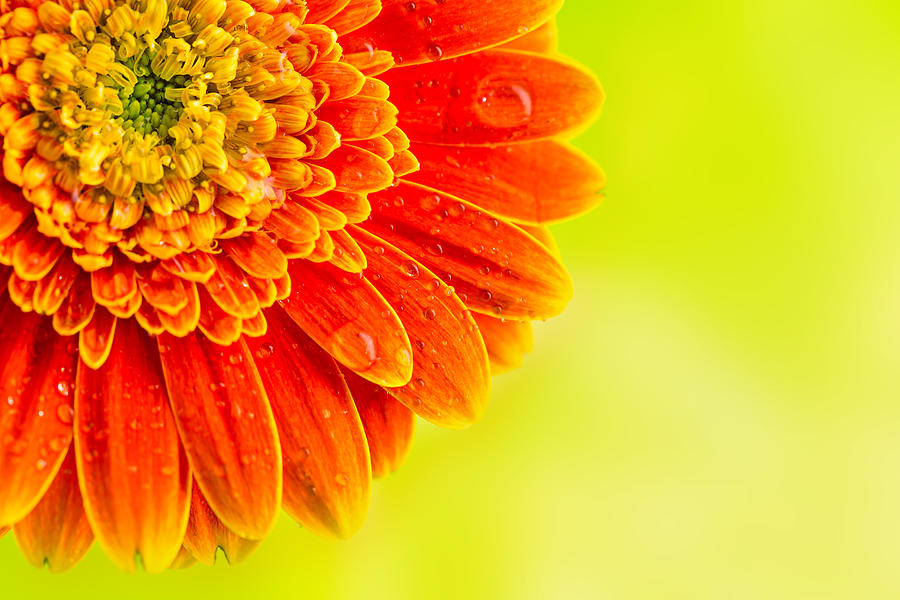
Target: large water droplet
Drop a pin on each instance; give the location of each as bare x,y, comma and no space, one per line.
504,102
65,413
353,347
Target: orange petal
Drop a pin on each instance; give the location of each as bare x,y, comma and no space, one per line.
359,118
77,309
347,317
322,10
493,97
495,267
95,340
389,425
257,254
230,290
35,255
356,14
206,534
536,182
506,341
196,266
542,234
357,170
216,324
116,284
227,429
37,376
544,39
327,477
451,28
294,223
342,79
133,471
187,319
184,559
163,290
451,380
51,291
56,533
14,209
347,256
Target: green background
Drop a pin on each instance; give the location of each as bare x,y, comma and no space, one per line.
715,415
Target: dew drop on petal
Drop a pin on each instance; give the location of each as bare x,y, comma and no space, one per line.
65,413
504,102
354,348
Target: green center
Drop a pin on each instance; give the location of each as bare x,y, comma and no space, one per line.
153,105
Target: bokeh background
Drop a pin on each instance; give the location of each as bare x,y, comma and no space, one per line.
716,414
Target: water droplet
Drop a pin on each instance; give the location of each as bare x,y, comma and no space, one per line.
403,357
504,102
434,52
411,268
65,413
342,479
265,350
354,348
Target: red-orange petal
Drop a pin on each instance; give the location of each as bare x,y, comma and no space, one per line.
230,290
451,379
56,533
544,39
227,429
322,10
536,182
216,324
388,424
77,309
35,255
96,339
37,379
327,477
206,534
416,32
349,319
359,117
163,290
357,170
52,290
356,14
343,80
186,319
116,284
495,267
133,472
506,341
196,266
257,254
493,97
14,209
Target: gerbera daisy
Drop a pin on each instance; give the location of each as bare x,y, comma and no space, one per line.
247,241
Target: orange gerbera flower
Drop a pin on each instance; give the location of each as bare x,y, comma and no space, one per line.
247,240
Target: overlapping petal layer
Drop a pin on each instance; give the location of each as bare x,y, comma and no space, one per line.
246,243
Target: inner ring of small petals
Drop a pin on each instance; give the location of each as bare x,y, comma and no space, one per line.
147,126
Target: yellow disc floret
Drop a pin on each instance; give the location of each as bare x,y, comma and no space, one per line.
144,124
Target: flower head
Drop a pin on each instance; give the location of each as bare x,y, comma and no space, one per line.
247,241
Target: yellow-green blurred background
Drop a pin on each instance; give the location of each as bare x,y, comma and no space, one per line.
716,414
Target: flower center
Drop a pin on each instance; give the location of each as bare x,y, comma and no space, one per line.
149,124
